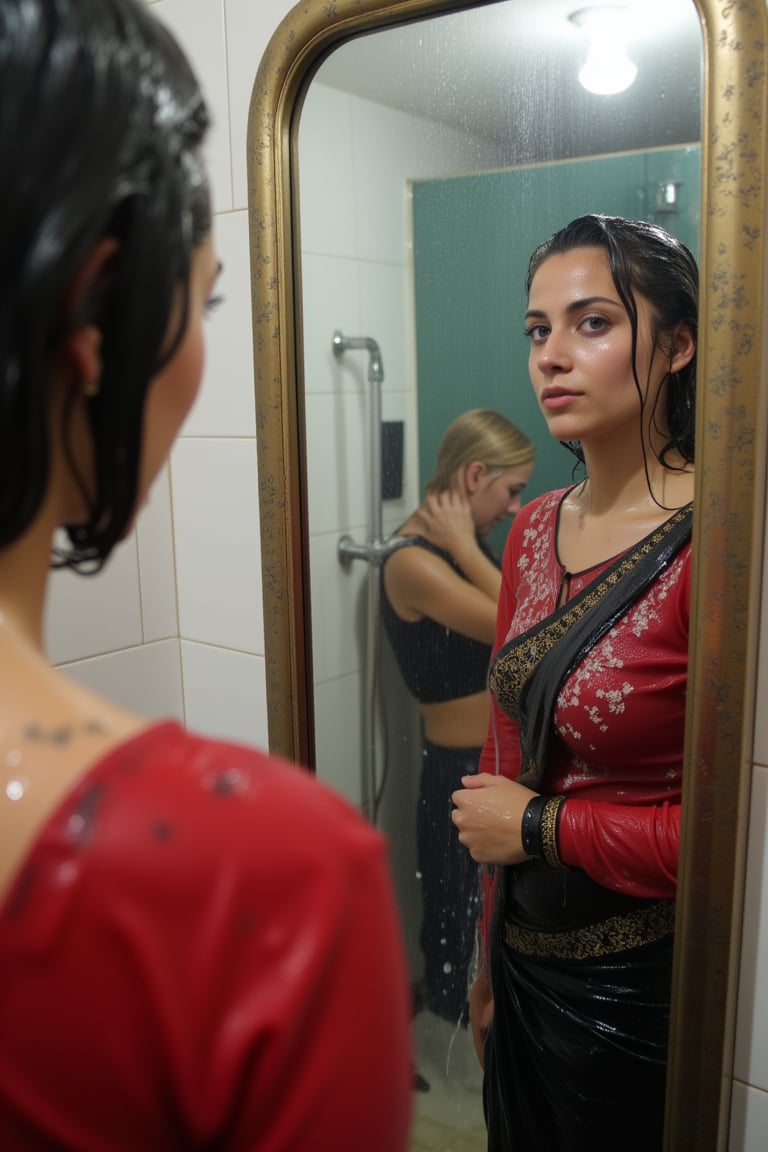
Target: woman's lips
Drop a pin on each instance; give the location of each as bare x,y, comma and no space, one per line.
554,398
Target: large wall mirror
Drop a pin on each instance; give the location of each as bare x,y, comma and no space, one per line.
405,156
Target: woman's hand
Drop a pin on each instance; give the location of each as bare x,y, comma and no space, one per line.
480,1012
445,519
488,814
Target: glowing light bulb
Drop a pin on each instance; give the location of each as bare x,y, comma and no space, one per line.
606,73
607,68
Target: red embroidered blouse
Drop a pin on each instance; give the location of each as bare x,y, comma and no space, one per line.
202,951
619,718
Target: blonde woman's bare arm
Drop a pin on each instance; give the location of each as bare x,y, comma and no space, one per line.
445,519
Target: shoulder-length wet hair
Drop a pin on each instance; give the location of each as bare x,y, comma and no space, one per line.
646,261
101,122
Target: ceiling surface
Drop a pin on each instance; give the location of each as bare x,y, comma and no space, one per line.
508,72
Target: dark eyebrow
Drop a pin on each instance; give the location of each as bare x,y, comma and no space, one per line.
575,306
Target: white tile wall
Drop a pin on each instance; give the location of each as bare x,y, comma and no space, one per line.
224,692
157,566
218,549
250,26
199,24
338,706
336,475
91,614
385,314
751,1054
749,1120
223,688
331,302
339,594
327,167
146,680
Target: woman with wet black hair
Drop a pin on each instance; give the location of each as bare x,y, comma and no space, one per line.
577,805
199,945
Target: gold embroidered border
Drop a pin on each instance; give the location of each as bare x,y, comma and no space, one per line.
618,933
548,832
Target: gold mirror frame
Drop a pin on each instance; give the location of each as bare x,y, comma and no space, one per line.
730,492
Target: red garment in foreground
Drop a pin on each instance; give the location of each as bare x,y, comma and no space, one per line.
202,951
619,722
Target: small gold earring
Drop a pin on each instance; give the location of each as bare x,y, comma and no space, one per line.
92,388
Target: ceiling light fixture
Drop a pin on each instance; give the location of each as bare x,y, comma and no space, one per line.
607,68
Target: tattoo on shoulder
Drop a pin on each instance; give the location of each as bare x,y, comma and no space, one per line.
62,735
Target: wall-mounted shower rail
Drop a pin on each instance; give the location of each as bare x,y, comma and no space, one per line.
342,344
374,552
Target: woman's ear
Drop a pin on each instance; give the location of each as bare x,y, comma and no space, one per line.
82,352
81,345
473,474
683,347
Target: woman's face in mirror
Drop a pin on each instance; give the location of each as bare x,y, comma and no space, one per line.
580,360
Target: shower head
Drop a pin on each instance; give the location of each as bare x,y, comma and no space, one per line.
342,344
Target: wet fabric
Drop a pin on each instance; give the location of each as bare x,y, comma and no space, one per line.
201,951
615,744
450,886
580,956
529,671
436,663
576,1058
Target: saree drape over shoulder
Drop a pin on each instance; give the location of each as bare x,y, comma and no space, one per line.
588,704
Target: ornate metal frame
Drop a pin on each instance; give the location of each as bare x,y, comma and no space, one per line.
730,492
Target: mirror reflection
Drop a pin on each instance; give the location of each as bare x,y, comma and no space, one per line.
432,159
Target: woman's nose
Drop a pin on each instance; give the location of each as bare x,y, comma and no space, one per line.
554,353
514,506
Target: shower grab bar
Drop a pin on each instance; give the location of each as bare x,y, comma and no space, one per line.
341,344
373,552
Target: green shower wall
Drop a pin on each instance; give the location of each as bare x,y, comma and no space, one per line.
472,236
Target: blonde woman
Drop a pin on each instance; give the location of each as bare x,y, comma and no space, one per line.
440,595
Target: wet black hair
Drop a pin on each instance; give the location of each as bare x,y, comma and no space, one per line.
645,260
101,123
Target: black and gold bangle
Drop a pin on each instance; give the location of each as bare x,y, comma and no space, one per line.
538,831
530,829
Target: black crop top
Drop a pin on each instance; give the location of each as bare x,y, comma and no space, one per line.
436,663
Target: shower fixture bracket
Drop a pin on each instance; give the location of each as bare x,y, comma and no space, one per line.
374,552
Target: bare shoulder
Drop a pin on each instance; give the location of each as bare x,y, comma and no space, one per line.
409,573
53,731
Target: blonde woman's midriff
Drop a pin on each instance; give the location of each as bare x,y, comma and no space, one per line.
460,723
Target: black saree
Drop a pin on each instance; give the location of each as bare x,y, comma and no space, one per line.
575,1059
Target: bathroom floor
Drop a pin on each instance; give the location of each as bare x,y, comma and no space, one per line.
449,1117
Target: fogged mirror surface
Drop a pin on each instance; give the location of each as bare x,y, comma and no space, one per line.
431,160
